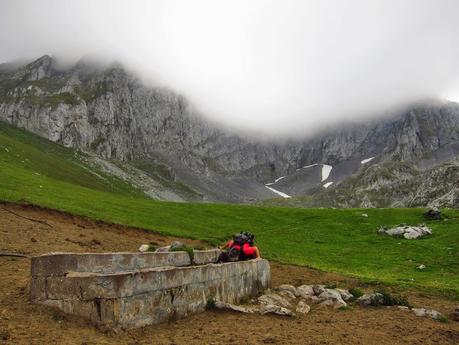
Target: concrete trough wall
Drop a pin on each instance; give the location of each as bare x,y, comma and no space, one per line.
58,264
120,296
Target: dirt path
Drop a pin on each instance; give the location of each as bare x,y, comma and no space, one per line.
23,323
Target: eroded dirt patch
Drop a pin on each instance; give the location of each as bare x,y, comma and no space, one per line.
24,323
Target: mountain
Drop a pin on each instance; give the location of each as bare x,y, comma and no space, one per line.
152,138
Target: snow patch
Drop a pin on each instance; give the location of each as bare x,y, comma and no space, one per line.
366,160
278,179
326,170
278,192
328,184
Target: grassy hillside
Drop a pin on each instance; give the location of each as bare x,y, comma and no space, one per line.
341,240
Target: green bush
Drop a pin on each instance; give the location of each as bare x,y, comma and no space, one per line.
389,299
356,292
244,300
211,304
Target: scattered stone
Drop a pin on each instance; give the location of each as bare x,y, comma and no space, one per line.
274,299
287,294
432,214
305,291
331,297
373,299
302,307
318,289
433,314
421,267
336,304
144,248
238,308
345,294
287,287
365,215
402,307
275,309
407,231
312,299
33,240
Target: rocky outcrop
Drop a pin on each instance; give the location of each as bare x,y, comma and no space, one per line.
407,231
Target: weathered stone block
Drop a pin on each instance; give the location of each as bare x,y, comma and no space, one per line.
135,298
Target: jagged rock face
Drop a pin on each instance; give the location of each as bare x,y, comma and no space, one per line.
111,113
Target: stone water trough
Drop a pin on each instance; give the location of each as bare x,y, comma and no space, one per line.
129,290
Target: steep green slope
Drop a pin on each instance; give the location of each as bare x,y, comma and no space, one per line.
28,161
39,172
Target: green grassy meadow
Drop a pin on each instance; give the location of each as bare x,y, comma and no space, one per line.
34,170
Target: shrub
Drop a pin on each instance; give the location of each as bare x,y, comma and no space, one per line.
389,299
211,304
245,299
356,292
443,319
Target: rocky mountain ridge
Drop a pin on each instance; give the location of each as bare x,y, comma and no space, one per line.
152,135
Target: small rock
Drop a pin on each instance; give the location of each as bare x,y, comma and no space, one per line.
312,299
374,299
162,249
365,215
318,289
287,294
329,294
33,240
238,308
275,309
305,291
274,299
402,307
433,314
421,267
336,304
144,248
176,244
331,297
407,231
287,287
302,307
345,294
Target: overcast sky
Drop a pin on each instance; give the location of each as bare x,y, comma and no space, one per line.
274,66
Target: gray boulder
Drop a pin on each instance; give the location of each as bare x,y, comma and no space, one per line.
305,291
318,289
407,231
433,314
302,307
287,287
331,297
274,299
275,309
345,294
374,299
238,308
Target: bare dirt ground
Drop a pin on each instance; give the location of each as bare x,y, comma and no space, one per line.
24,323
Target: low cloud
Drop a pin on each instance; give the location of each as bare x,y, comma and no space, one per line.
282,67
